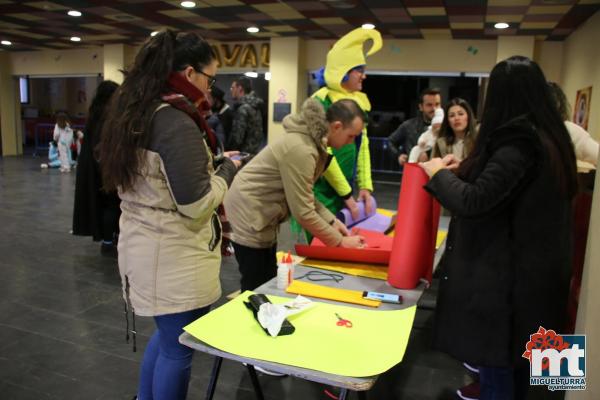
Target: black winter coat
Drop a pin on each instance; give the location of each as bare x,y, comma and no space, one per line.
90,201
506,268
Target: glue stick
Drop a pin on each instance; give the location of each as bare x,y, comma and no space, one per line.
290,263
283,274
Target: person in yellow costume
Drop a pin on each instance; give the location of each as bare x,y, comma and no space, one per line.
344,73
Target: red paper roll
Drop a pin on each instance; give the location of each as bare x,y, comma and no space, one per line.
416,231
377,251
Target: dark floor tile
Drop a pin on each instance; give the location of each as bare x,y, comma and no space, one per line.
12,391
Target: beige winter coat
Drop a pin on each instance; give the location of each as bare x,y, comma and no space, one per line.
279,181
169,250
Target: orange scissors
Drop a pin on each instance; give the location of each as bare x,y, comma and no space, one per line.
343,322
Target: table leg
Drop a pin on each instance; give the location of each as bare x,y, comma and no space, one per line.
210,392
343,394
255,383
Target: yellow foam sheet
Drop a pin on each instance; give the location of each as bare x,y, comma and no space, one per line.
376,342
375,271
387,213
441,235
330,293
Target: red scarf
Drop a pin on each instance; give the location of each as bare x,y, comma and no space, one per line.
194,102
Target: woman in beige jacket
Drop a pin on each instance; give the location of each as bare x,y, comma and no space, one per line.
159,152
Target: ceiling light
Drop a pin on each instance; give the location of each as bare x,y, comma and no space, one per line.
74,13
154,33
253,29
368,26
251,74
501,25
267,76
75,39
6,42
188,4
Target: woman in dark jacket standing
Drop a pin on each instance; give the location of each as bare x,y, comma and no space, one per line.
507,261
95,212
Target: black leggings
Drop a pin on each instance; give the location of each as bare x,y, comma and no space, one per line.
257,266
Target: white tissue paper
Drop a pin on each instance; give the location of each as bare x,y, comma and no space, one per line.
271,316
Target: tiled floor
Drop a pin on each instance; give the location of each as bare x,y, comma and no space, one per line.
62,328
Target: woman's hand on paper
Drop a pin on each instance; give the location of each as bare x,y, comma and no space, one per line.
340,227
353,242
451,162
435,164
432,166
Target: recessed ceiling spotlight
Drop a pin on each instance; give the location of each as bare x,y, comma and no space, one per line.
252,29
188,4
6,42
368,26
267,76
501,25
74,13
75,39
154,33
251,74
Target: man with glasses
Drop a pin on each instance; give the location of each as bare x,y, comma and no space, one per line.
247,129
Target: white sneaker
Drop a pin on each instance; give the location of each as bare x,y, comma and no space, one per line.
471,368
267,371
43,165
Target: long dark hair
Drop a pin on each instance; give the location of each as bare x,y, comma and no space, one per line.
128,119
446,130
518,89
96,117
561,100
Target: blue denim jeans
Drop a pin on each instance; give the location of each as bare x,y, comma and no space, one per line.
166,367
497,383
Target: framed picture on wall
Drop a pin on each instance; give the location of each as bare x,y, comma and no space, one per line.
581,111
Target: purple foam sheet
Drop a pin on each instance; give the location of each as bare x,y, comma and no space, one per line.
377,223
371,221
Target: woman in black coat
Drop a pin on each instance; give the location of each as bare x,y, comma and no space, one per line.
95,213
506,269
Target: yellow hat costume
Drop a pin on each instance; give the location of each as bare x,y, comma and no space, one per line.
352,161
346,54
335,184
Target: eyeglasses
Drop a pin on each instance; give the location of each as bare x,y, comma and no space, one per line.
211,78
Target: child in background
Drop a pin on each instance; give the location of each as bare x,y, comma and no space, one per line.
63,135
53,161
427,138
